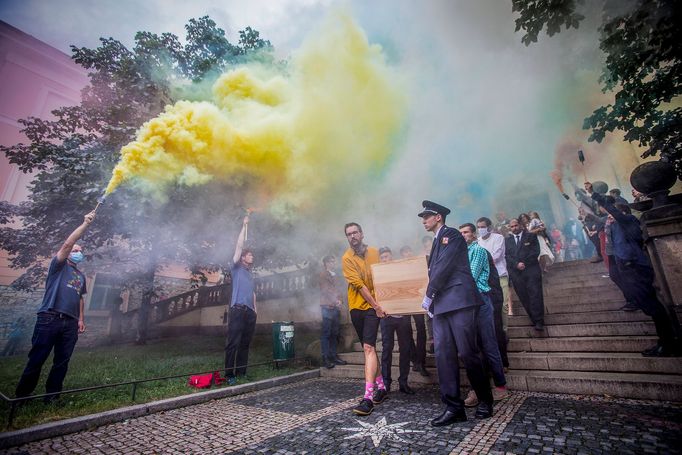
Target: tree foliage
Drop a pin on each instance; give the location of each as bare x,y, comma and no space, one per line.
641,41
73,154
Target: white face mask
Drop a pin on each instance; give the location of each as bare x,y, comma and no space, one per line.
482,232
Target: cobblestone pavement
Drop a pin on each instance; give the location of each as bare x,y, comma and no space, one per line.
314,417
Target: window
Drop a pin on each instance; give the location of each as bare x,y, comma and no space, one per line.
105,292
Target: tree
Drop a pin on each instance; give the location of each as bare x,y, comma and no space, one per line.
641,40
73,155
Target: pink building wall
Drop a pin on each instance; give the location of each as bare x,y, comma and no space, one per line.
35,79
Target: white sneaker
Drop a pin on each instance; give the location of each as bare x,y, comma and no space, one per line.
471,400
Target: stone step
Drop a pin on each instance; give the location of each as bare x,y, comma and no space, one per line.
579,318
592,283
358,358
358,372
595,293
558,279
582,344
585,330
586,300
621,362
628,385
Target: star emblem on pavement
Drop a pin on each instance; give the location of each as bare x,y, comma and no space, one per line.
380,430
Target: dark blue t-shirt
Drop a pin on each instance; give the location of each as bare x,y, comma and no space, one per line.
64,287
242,286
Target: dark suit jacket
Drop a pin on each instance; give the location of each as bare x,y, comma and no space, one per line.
527,251
451,285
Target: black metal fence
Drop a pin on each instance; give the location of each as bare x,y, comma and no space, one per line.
15,403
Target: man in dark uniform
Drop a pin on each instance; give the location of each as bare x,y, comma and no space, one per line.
451,297
637,276
521,251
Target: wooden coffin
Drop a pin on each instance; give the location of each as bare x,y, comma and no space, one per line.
400,285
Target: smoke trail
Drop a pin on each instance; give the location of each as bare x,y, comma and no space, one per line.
286,139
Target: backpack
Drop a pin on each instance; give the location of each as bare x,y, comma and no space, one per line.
205,381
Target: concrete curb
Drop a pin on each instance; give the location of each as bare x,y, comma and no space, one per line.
62,427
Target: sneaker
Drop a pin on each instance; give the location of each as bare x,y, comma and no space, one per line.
471,400
340,361
379,396
365,407
232,380
500,393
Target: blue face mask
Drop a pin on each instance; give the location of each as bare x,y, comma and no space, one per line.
76,257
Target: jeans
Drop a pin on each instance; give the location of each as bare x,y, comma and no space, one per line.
330,333
485,324
240,328
52,330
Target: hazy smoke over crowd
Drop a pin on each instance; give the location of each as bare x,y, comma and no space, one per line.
376,113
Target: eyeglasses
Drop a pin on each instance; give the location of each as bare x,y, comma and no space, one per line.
351,234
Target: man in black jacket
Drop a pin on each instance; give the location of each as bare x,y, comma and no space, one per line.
521,252
452,298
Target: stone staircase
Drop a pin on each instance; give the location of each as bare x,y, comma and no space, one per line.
588,346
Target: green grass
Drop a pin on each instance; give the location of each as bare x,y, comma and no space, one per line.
126,362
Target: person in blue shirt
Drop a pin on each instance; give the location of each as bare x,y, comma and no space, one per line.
242,314
60,317
636,276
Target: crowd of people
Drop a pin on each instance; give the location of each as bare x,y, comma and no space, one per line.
467,300
471,270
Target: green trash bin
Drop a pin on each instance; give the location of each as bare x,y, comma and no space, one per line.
283,340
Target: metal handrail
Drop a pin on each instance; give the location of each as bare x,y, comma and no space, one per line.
14,402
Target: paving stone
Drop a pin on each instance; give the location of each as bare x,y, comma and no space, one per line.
314,416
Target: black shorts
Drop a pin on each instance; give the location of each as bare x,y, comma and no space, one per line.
366,323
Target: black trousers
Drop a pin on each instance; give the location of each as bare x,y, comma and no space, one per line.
390,327
528,286
499,331
418,351
240,327
638,289
454,335
53,331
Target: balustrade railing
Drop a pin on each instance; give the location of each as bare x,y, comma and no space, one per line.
275,286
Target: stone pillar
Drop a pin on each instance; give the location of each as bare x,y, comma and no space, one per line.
662,225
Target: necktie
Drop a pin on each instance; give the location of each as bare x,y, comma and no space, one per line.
517,239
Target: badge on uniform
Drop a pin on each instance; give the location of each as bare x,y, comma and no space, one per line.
444,241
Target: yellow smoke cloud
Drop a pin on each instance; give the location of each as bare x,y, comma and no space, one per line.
329,123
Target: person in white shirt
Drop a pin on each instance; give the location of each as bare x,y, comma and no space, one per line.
494,243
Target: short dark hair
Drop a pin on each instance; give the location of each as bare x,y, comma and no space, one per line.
245,251
624,208
469,225
385,249
352,223
484,219
328,258
615,191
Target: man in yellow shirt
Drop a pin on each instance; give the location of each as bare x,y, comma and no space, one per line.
364,312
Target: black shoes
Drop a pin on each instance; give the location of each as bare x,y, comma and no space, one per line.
421,370
629,307
406,389
365,407
328,364
661,351
379,396
340,361
539,327
449,417
484,410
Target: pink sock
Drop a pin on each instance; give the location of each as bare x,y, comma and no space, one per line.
369,390
380,382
